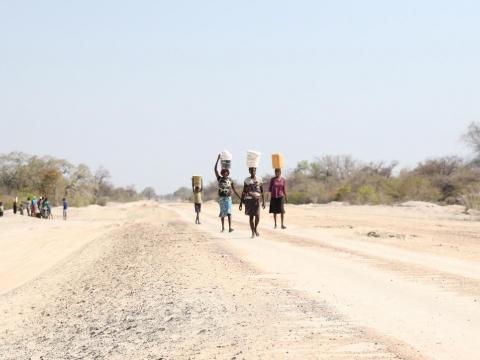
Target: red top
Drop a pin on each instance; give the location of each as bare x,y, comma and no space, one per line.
278,187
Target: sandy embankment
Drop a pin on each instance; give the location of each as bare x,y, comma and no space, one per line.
30,246
141,281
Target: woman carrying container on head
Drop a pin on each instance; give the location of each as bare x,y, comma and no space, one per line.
252,193
225,188
278,191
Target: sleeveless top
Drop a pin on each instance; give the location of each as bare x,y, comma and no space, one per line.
197,198
224,186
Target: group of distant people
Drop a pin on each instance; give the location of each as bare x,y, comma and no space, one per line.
252,197
34,207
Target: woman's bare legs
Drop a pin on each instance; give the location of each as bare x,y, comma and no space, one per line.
252,226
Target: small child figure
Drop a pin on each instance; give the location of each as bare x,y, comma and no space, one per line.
197,200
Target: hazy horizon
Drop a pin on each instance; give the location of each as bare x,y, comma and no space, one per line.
153,91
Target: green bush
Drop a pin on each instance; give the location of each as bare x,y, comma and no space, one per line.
391,189
367,195
102,201
344,193
414,187
299,197
471,198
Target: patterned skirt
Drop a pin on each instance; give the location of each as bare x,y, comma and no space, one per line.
252,207
226,205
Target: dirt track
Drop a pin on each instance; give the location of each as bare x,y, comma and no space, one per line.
147,283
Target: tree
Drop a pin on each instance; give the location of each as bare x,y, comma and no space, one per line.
302,167
103,187
472,137
149,193
10,171
379,169
444,166
25,175
184,193
131,192
50,180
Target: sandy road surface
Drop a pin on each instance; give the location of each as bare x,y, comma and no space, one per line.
141,281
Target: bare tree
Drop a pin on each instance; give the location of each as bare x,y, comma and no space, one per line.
149,193
472,137
102,185
338,167
444,166
380,168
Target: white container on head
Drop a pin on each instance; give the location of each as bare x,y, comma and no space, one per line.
226,164
253,159
226,159
226,155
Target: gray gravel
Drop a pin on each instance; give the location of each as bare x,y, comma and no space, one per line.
169,291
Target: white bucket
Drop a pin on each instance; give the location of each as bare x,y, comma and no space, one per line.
226,164
253,159
225,155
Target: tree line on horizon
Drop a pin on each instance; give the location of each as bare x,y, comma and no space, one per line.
23,176
444,180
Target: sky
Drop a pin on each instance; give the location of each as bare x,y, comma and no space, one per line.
154,90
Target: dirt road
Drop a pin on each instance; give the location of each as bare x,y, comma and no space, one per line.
142,281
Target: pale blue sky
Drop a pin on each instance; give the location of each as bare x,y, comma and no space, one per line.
153,90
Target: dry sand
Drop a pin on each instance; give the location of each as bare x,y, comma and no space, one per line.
141,281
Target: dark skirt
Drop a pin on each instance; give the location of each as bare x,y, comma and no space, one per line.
277,205
252,207
198,207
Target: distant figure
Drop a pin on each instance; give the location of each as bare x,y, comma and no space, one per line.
225,188
46,210
252,193
197,200
278,191
65,208
27,205
15,205
1,209
34,207
20,208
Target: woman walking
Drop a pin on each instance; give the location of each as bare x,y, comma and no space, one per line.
278,191
251,195
225,188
